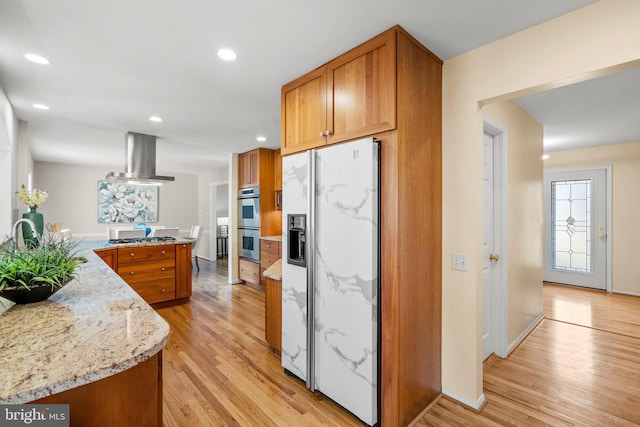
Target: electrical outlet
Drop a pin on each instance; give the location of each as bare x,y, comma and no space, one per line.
460,262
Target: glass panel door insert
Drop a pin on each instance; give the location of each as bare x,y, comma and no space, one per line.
571,205
575,234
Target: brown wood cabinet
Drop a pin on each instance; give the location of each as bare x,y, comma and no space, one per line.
350,97
273,313
130,398
270,252
277,168
395,84
110,257
160,274
249,169
249,271
255,168
183,271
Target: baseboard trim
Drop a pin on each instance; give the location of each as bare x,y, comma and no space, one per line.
633,294
525,333
473,405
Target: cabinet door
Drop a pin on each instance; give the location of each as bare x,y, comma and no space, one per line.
249,271
304,112
183,271
273,313
249,169
110,257
277,165
361,90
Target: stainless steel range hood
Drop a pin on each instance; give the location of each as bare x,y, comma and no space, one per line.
140,167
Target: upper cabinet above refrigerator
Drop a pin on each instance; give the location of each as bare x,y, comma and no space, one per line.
350,97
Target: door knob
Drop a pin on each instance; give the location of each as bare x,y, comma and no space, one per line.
601,236
493,257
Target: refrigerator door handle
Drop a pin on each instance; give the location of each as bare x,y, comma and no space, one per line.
310,256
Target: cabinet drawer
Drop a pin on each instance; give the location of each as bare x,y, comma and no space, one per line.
249,271
269,253
146,253
156,290
152,270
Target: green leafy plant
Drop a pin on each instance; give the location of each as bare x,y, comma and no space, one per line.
50,263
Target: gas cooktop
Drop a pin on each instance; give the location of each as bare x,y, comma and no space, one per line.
141,240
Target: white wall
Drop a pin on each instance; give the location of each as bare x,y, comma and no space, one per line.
8,164
625,162
73,199
524,215
595,40
205,180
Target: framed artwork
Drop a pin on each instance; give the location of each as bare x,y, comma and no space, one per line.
119,202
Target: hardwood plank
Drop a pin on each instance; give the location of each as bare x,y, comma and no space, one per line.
580,366
219,370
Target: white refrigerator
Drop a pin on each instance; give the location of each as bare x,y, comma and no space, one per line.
330,272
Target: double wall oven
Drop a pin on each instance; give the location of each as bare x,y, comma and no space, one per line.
249,223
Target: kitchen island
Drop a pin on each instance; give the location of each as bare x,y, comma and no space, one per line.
95,345
159,271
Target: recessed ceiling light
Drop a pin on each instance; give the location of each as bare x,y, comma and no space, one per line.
261,138
227,54
155,119
36,58
545,156
40,106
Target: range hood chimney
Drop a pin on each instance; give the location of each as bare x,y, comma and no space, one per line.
140,167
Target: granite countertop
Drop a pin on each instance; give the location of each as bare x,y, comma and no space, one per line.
100,245
272,238
275,271
94,327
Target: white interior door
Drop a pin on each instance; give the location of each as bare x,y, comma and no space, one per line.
489,258
575,228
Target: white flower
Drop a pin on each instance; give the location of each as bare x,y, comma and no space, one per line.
32,198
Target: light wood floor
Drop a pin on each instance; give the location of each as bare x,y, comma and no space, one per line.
219,371
579,367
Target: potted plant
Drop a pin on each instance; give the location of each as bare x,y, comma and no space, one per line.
35,273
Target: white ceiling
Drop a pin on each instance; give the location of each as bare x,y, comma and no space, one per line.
115,63
601,111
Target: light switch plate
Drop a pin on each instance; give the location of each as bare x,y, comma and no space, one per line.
460,262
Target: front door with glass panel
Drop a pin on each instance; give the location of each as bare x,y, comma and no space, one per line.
575,233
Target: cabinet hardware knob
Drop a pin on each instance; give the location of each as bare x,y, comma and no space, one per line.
328,132
163,269
162,290
162,251
131,273
493,257
132,254
321,134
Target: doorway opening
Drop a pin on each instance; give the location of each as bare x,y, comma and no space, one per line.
218,238
577,228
